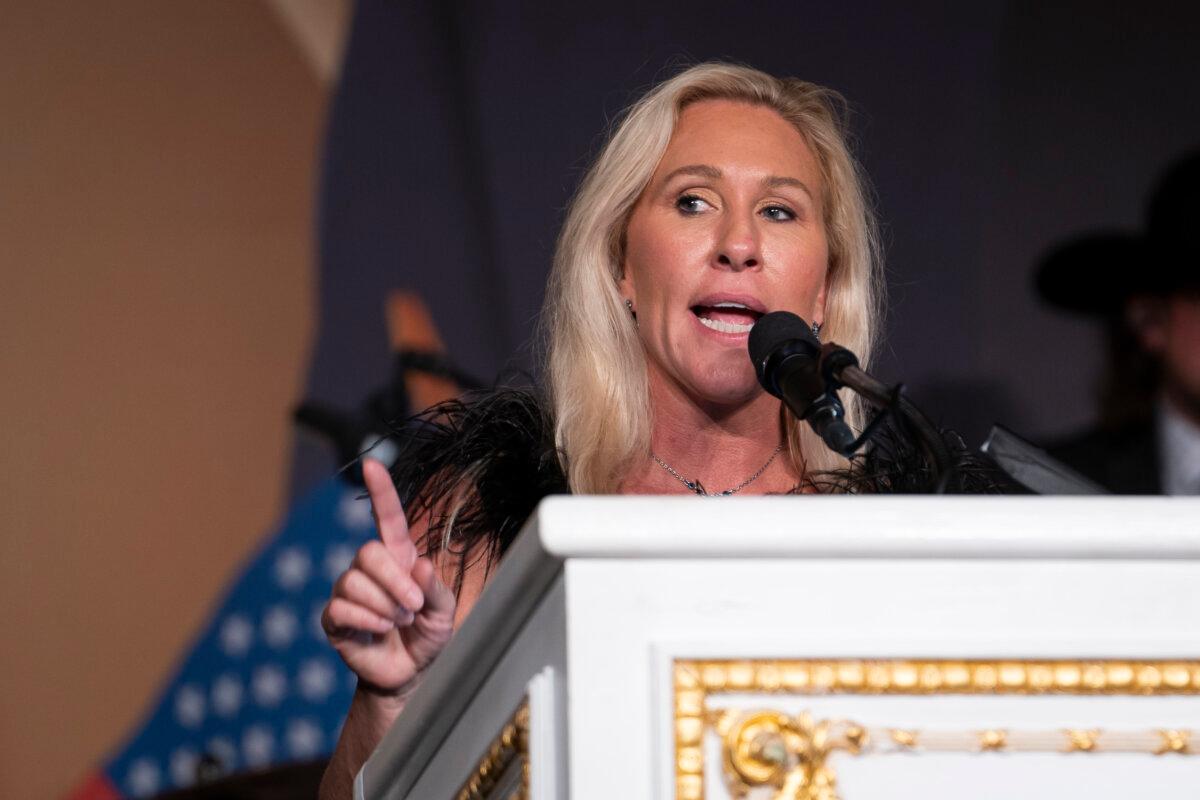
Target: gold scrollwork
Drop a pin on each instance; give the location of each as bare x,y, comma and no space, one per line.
510,745
771,749
768,748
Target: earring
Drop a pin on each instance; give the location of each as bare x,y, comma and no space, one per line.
816,329
629,305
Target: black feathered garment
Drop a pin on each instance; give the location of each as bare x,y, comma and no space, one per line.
496,449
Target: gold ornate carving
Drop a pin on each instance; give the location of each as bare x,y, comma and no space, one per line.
993,740
510,749
1080,741
1174,741
768,748
789,753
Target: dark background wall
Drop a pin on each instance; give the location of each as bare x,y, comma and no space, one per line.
990,130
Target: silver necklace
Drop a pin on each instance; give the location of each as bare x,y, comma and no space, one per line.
695,486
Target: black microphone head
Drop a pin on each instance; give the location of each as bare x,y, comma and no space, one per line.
772,333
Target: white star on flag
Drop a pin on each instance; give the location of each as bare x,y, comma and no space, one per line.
258,745
237,634
189,706
269,685
354,512
316,679
337,560
183,766
292,567
220,748
279,626
144,778
304,738
227,695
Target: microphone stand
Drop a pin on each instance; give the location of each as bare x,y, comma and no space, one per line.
839,367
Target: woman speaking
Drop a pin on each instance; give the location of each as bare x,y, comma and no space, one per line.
722,195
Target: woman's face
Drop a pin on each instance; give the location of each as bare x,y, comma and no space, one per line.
729,228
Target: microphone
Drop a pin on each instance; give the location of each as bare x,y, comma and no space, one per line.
791,364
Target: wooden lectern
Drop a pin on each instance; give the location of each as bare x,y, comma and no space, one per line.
820,647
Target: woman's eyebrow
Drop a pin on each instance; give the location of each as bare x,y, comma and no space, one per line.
697,170
712,173
776,181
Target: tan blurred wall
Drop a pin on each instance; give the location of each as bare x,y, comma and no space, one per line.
156,296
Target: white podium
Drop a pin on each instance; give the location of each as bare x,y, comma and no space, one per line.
820,647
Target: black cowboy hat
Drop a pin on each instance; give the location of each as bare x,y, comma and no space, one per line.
1096,273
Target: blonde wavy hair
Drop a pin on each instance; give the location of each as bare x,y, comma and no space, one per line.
595,367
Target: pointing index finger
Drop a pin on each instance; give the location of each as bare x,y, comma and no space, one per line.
389,514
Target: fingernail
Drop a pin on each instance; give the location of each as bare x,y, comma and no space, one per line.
404,617
414,598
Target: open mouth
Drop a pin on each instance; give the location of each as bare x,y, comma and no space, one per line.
726,317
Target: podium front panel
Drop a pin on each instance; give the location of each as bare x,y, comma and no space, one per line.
990,667
822,648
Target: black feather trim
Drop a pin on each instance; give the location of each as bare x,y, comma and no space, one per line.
893,463
476,468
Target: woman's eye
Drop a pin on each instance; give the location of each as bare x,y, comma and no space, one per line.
691,204
779,213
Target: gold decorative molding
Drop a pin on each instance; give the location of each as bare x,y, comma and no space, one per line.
1079,741
790,753
509,749
759,740
768,748
992,740
1174,741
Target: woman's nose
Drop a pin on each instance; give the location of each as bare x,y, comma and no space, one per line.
738,246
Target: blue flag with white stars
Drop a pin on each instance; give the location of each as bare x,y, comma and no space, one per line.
261,687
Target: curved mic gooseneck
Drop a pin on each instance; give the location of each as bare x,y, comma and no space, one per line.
792,365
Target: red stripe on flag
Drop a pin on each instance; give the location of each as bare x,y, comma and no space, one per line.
96,786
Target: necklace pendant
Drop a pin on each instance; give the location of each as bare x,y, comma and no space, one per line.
698,488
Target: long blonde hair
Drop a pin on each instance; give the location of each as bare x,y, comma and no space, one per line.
595,366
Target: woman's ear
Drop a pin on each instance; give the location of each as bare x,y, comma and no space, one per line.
819,306
625,287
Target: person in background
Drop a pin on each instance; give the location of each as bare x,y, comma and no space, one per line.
1145,288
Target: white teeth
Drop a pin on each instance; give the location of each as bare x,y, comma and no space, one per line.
724,327
731,305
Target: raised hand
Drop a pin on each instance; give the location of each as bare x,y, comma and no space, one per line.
389,614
